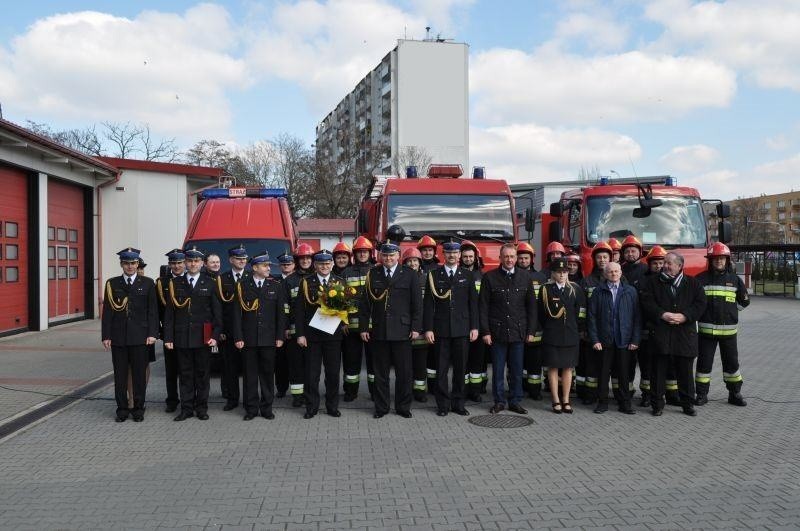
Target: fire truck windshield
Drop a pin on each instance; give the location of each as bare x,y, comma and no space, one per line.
465,216
679,221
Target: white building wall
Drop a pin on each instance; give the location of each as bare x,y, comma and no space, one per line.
431,100
149,214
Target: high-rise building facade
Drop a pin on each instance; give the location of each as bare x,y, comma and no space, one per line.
413,107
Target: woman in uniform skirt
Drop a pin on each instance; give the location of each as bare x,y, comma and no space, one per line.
562,306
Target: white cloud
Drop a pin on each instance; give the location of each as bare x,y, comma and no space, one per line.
327,47
760,37
554,87
168,70
529,153
777,142
689,159
781,169
597,28
439,14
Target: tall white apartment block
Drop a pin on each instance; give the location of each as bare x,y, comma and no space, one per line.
417,97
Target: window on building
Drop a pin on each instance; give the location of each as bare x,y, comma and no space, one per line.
12,229
73,253
51,273
62,253
51,233
12,252
51,253
73,271
767,205
12,274
73,235
62,272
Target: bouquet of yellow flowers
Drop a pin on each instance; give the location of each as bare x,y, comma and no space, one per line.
339,300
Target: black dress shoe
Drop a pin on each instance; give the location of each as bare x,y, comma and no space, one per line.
441,412
138,418
690,411
120,419
171,409
461,411
378,415
229,406
657,412
309,415
202,416
268,415
349,398
334,413
602,407
627,409
249,416
497,408
404,414
516,408
183,415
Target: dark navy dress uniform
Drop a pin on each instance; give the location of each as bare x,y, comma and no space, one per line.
130,316
231,356
170,356
259,320
195,307
450,312
323,349
390,309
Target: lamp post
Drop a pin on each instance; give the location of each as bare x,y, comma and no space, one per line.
783,229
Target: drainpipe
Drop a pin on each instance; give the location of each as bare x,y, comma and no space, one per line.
115,180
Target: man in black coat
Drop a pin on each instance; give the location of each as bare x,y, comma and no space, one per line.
177,268
129,324
259,324
320,347
389,318
451,323
231,356
192,324
508,319
674,302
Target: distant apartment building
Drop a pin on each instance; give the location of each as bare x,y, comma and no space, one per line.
766,219
414,103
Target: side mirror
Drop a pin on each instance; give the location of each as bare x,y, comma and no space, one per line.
556,210
723,211
554,231
641,212
362,221
725,231
650,203
529,221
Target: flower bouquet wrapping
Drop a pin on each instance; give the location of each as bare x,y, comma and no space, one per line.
338,300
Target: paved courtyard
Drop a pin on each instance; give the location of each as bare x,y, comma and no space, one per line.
727,468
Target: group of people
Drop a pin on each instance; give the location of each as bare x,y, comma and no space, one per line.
438,325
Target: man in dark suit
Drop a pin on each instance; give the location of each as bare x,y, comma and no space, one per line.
451,323
176,268
192,324
129,325
390,317
231,356
320,347
259,324
674,302
508,319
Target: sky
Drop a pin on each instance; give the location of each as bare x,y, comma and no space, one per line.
706,91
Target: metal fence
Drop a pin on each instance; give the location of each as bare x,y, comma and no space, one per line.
772,270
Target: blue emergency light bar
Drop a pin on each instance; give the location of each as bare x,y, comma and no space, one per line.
226,193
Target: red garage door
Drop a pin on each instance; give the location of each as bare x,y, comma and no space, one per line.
65,251
13,250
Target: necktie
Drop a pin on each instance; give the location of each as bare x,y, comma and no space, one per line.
259,284
388,273
191,282
238,277
130,281
451,274
613,292
509,274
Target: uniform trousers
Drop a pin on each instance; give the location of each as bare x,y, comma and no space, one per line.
683,367
645,365
295,361
133,358
451,352
432,368
231,369
729,352
354,351
476,365
386,354
613,361
194,380
419,366
172,371
317,354
259,374
281,370
532,358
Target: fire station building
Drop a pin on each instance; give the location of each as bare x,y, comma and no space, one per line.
63,216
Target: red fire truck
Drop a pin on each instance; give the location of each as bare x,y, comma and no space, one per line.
443,205
654,210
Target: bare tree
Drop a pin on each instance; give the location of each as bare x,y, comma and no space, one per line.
153,149
412,156
124,138
292,169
